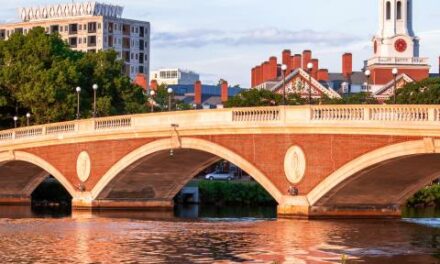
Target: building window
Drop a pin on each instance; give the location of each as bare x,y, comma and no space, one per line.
80,27
399,10
388,10
132,56
99,25
141,69
80,41
92,27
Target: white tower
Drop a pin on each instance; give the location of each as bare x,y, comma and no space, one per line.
395,45
396,38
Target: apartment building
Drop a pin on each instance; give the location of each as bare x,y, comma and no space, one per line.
174,76
90,27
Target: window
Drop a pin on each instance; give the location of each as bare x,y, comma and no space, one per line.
388,10
80,27
399,10
99,25
79,40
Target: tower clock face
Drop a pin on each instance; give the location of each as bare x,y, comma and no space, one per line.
400,45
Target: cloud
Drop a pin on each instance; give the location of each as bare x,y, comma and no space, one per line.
263,36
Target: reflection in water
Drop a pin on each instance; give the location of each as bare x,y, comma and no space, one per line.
142,237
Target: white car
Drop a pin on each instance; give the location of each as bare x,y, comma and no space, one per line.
217,175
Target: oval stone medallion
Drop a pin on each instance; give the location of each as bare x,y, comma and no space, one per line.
295,164
83,166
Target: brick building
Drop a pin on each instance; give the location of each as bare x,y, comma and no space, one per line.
394,46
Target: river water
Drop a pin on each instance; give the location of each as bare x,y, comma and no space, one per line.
212,235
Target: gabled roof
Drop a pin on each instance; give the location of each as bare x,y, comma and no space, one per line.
317,85
390,84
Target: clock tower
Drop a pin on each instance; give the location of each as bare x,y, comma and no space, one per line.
395,44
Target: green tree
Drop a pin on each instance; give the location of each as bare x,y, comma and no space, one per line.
426,91
161,100
356,98
262,97
39,73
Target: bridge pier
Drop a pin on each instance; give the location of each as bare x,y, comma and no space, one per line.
15,200
147,205
321,212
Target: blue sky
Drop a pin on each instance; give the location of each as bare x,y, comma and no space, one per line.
226,38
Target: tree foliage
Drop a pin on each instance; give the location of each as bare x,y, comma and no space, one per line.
161,99
426,91
39,74
262,97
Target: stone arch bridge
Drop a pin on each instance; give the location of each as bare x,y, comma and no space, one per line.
345,161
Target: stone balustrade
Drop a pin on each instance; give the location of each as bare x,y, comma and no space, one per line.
256,115
397,117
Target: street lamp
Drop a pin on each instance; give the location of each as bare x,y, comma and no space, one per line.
309,70
152,94
170,92
78,90
15,121
368,74
395,71
283,72
28,117
95,88
344,87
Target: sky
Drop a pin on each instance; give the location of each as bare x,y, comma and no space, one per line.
227,38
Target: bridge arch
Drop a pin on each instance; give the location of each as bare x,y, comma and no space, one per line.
373,173
195,144
22,158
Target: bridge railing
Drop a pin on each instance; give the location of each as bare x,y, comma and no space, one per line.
400,113
408,116
256,115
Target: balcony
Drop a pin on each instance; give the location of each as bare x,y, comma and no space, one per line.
91,41
73,29
398,60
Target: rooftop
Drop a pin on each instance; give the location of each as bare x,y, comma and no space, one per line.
89,8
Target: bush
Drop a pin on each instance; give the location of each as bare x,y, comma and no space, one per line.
427,197
215,192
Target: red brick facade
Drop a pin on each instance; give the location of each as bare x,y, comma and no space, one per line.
380,76
324,154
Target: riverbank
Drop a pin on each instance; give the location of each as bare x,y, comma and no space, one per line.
232,193
429,197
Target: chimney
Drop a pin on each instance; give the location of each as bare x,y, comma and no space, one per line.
273,68
265,67
253,77
323,75
315,68
306,58
296,62
154,85
198,93
286,60
224,91
257,75
347,65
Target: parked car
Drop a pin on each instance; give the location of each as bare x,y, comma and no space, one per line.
218,175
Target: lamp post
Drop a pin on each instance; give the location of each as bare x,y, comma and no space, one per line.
78,90
344,87
368,74
395,71
170,92
28,117
95,88
309,70
15,121
283,72
152,94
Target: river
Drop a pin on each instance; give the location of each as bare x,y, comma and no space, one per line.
212,235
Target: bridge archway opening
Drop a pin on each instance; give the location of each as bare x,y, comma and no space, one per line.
22,176
385,178
159,170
